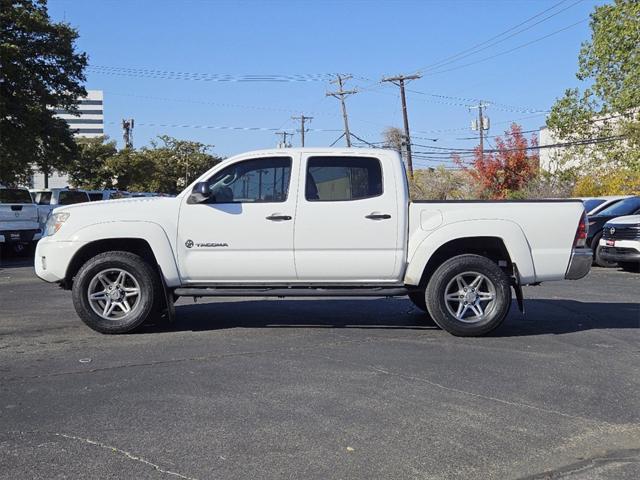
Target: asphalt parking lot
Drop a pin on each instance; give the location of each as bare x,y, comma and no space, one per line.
322,389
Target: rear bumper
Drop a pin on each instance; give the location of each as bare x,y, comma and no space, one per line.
20,236
580,263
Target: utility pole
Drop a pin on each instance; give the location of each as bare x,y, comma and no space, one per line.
302,119
481,125
283,143
340,94
399,80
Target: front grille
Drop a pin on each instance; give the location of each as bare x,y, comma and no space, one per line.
621,232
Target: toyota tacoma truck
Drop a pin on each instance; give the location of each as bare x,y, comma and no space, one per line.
303,223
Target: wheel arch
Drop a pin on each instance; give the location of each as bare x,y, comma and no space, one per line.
498,240
145,239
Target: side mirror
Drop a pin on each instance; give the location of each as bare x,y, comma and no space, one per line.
200,193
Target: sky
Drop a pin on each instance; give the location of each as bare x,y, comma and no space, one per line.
459,46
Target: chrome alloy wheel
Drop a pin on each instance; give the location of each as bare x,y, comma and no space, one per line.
113,293
470,297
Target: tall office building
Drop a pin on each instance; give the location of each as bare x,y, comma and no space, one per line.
90,122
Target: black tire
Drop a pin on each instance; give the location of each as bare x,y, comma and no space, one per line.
597,258
494,311
419,299
633,267
148,285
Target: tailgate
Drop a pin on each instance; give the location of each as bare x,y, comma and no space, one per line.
18,213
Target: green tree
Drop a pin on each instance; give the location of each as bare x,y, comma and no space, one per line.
167,166
177,163
41,70
131,170
88,169
604,118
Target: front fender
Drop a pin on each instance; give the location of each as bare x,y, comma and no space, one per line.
428,242
150,232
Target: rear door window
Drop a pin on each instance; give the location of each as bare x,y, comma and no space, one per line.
339,179
43,198
69,197
95,197
14,195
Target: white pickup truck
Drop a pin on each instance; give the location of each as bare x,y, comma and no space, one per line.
309,222
19,227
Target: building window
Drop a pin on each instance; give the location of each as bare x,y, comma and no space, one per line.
337,179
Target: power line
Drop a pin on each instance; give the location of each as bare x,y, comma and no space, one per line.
207,77
221,127
490,43
510,50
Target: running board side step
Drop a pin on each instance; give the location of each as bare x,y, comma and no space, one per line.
291,292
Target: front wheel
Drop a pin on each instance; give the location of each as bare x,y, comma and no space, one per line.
115,292
468,295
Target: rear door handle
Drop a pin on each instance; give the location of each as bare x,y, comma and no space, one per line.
378,216
276,217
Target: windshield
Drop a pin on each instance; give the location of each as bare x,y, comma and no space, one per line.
624,207
593,203
14,195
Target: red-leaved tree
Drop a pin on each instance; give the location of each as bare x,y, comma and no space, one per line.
502,171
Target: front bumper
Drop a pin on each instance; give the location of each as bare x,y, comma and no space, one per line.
620,254
580,263
52,258
20,236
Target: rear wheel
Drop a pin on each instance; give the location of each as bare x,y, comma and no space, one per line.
468,295
115,292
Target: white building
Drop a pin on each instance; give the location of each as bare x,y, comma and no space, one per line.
555,157
88,124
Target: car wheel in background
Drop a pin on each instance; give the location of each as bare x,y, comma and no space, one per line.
469,295
630,266
115,292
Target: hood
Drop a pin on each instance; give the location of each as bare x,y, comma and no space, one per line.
625,220
119,204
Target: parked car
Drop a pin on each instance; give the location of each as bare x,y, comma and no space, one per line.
50,198
99,195
627,206
620,242
309,222
594,205
19,228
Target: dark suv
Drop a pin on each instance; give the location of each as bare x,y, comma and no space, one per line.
628,206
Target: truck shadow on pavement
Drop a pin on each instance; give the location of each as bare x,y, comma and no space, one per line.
543,316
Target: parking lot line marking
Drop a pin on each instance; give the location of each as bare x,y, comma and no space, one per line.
126,454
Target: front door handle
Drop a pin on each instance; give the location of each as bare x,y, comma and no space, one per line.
378,216
276,217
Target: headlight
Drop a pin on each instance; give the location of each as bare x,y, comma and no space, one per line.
54,223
